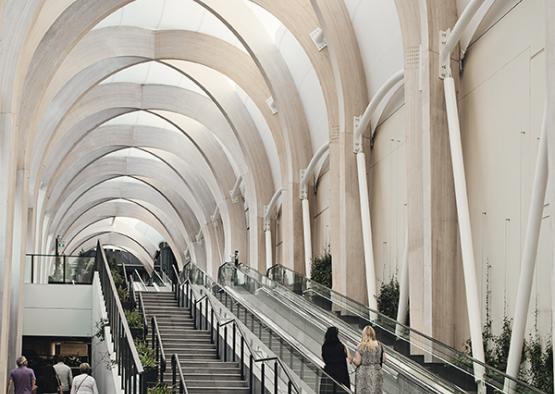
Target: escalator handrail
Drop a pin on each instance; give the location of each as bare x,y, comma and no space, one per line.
468,360
219,322
260,319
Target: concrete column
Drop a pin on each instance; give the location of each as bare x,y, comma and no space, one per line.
433,250
7,193
346,239
550,121
18,267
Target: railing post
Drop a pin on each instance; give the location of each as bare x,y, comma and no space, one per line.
276,380
211,325
234,339
206,312
218,340
225,343
174,373
262,377
242,358
64,268
251,374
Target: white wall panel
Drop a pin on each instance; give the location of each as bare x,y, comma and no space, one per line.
57,310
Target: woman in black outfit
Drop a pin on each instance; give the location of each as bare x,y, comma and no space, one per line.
335,356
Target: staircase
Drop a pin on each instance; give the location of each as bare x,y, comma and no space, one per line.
203,371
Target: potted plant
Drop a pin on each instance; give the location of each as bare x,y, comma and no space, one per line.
150,364
135,321
160,389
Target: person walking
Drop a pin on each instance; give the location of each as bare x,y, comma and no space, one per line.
64,374
84,383
47,380
335,356
22,378
369,359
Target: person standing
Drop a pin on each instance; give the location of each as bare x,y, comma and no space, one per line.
64,374
369,359
47,380
335,355
84,383
22,378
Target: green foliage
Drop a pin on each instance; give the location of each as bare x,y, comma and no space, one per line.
122,294
160,389
540,372
388,298
146,354
134,319
496,347
321,270
118,278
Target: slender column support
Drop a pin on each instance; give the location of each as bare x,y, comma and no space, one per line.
307,237
361,124
366,230
402,310
268,240
268,211
465,231
528,262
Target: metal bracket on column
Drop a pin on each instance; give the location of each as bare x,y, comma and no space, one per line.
444,65
266,218
236,192
303,192
199,236
357,137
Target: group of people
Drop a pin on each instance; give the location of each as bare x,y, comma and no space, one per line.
53,378
368,360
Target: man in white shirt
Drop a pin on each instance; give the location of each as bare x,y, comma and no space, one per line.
64,374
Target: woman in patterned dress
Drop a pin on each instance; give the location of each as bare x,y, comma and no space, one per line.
368,359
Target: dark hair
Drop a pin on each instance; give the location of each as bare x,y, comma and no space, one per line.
331,335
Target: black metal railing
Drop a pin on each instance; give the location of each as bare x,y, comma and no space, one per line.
129,366
132,295
178,381
62,269
229,335
158,348
142,311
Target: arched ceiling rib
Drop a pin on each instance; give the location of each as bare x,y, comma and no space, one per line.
130,209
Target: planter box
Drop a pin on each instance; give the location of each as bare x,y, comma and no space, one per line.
137,332
150,378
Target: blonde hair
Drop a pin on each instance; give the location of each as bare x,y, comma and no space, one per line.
85,368
368,340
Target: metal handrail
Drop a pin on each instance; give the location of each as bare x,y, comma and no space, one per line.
123,340
260,320
290,344
140,279
237,326
176,368
461,357
131,291
158,349
142,310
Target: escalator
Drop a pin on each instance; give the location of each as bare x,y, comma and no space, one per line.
414,362
292,352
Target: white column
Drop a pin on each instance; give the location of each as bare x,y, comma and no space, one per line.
268,239
528,261
366,230
465,231
307,237
403,308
